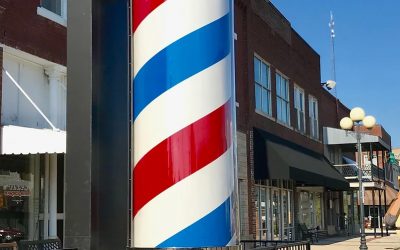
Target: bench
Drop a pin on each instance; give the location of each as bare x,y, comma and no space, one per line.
308,234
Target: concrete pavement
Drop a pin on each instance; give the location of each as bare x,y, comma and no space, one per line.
349,243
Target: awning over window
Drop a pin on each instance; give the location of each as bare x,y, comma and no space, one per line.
276,158
21,140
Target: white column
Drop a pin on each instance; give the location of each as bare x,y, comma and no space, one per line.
31,228
46,198
53,197
55,75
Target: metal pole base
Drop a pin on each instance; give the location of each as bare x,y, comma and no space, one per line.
363,242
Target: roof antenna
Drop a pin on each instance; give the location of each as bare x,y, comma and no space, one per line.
332,29
333,61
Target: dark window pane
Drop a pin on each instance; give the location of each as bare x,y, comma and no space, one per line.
52,5
258,96
264,75
257,70
265,101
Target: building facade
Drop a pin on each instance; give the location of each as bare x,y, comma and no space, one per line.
33,86
286,173
378,174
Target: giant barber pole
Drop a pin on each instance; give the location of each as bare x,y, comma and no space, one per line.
183,124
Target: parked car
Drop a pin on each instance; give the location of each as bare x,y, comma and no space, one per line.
10,234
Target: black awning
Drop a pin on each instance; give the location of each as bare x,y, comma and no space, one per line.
275,158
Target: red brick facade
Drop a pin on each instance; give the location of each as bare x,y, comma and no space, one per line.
263,31
22,28
290,55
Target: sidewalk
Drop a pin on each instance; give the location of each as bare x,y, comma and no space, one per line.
349,243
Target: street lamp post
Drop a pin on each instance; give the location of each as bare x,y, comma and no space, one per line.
357,115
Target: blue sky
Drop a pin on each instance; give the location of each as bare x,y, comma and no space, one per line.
367,45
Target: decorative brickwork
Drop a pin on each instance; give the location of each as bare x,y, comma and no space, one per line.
252,209
243,185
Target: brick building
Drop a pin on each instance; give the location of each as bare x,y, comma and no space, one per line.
378,174
286,173
33,113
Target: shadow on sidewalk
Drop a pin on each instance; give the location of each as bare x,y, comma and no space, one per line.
334,239
337,239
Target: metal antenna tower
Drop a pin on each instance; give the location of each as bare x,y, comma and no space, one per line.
333,61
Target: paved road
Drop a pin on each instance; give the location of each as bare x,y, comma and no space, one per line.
346,243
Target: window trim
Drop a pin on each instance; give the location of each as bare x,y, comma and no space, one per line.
298,88
311,99
278,97
60,19
268,89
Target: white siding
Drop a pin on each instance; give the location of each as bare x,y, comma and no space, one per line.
16,109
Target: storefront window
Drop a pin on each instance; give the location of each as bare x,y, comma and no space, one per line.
263,203
19,182
29,187
311,209
274,211
318,209
276,219
287,197
258,212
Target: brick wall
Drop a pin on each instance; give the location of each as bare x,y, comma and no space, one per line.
22,28
265,33
251,184
243,185
378,130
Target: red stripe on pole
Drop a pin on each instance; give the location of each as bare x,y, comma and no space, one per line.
181,155
142,8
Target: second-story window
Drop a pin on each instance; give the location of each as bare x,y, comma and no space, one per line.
282,99
54,6
55,10
299,109
262,86
313,115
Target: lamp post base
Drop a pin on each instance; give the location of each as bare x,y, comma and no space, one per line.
363,242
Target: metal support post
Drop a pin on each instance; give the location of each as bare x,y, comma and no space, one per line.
363,242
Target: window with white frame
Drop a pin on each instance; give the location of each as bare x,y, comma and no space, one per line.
282,99
313,115
262,86
55,10
299,109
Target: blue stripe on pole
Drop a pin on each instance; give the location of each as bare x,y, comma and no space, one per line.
214,229
181,60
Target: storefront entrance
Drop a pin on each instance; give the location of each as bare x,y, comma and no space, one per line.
310,207
274,210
